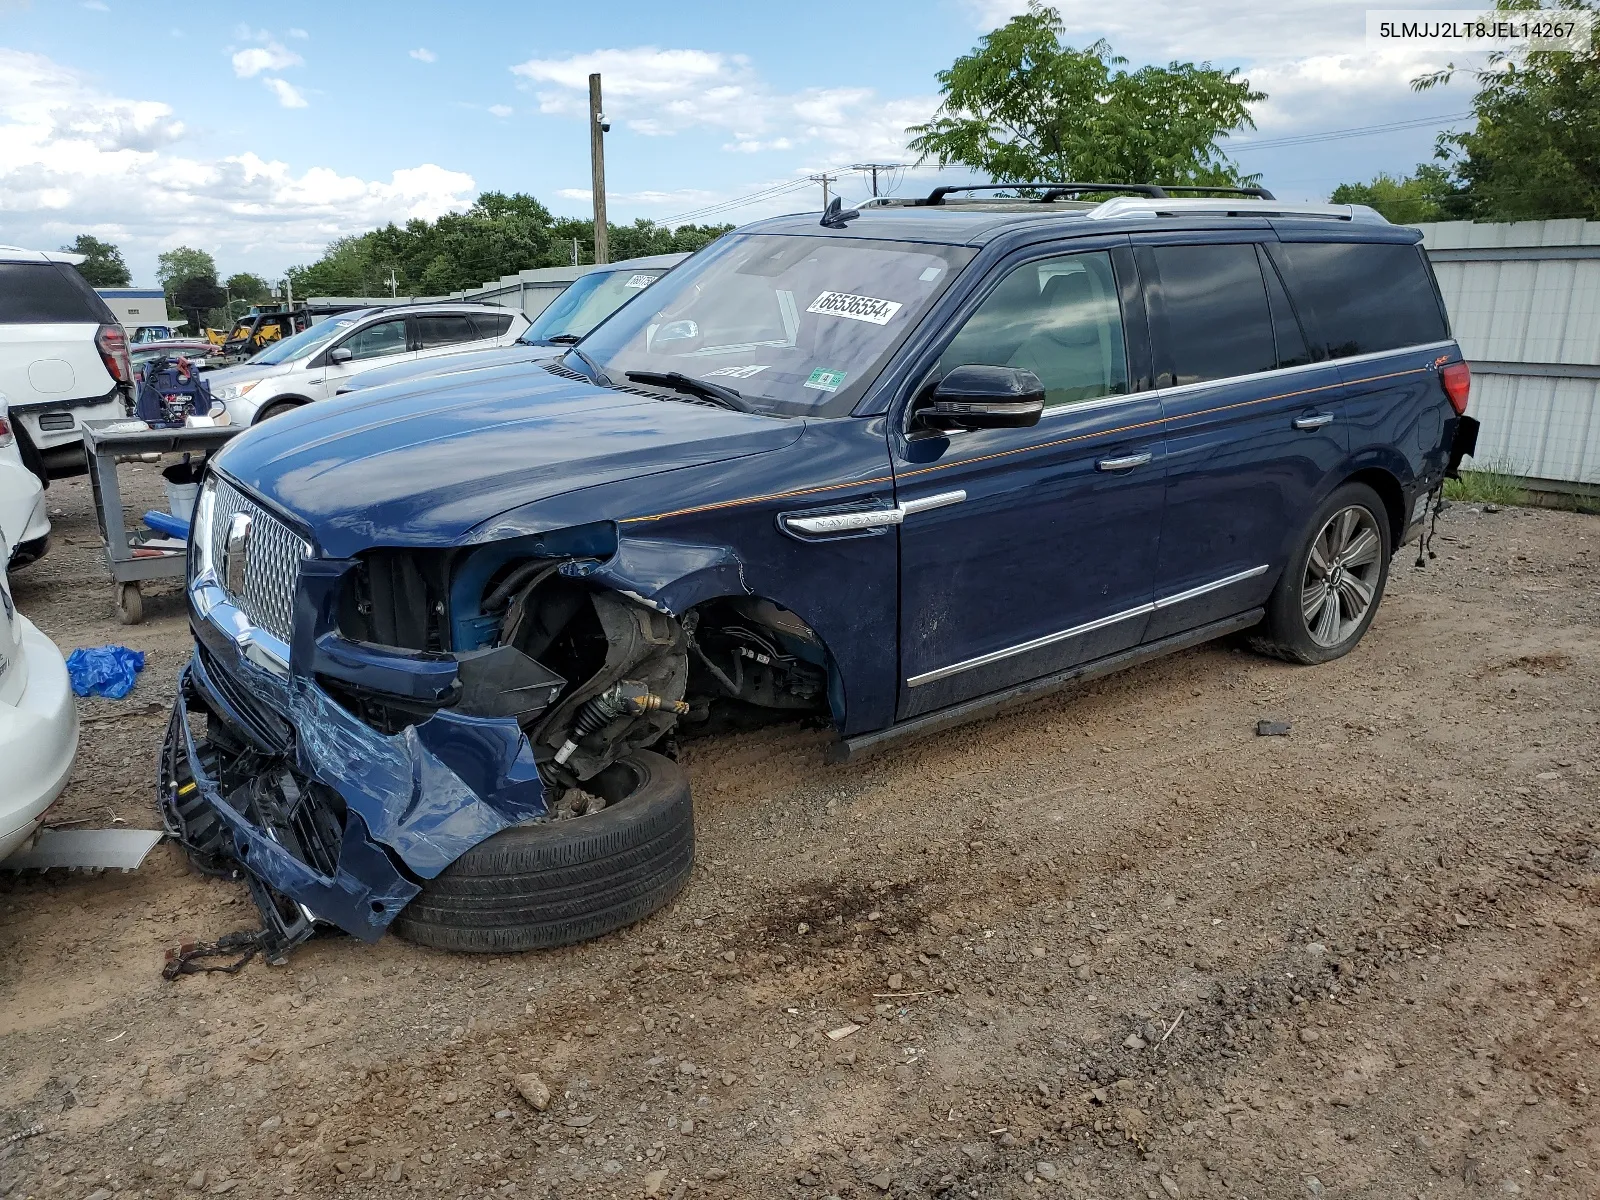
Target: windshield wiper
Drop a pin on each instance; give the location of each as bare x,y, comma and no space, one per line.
563,339
679,382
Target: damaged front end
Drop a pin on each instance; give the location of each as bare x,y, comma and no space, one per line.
348,728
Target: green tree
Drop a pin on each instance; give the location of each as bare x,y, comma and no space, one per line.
196,296
252,289
1428,194
1534,151
103,265
1024,106
181,263
499,235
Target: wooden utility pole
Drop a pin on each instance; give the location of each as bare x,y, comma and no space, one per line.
824,179
597,163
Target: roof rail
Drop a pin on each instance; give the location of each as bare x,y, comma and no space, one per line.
1139,206
1054,191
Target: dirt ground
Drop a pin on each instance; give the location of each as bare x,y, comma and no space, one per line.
1109,944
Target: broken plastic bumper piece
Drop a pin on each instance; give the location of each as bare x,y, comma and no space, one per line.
328,818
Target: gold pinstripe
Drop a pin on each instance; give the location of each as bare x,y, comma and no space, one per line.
833,487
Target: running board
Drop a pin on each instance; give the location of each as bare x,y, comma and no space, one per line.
846,749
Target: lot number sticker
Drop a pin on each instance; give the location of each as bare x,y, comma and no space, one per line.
640,281
738,372
824,380
857,308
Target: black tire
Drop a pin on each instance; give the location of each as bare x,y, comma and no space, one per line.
277,408
563,881
1288,632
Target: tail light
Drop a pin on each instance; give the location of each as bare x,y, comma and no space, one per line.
6,437
113,346
1457,379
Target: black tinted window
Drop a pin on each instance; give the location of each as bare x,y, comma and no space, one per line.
1218,324
1364,297
1286,331
47,294
445,330
492,325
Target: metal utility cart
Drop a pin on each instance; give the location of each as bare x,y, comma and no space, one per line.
104,442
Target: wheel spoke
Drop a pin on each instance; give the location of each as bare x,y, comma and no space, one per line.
1362,551
1357,595
1311,601
1319,561
1327,631
1347,522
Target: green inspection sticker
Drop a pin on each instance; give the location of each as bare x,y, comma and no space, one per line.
825,381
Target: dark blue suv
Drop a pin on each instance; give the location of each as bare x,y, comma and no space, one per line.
888,469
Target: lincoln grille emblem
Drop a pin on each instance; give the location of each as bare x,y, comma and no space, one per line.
236,553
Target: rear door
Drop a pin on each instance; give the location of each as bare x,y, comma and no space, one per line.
448,333
1253,423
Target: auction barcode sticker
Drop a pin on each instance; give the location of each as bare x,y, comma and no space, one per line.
640,281
857,308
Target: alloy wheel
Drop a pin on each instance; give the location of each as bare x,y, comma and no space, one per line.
1341,580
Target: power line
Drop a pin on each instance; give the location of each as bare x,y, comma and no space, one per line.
776,190
1333,135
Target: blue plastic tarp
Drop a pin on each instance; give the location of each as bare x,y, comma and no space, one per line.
109,671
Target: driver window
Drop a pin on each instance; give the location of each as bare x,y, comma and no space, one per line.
1058,318
375,341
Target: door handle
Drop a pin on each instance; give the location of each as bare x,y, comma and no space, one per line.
1126,463
1313,422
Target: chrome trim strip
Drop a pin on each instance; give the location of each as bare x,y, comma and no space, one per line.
937,500
1051,639
1216,585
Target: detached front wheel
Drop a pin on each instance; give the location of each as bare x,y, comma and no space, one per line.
1329,592
566,879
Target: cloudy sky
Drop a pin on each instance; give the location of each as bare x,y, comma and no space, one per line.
152,125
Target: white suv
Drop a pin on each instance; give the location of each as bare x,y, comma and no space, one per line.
63,357
22,508
316,362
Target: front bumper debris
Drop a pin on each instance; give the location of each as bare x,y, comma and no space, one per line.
325,818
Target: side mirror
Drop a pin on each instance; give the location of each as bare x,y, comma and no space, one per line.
338,357
981,397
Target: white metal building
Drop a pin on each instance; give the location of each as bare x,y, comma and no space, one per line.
1524,301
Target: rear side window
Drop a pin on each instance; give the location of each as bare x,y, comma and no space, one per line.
1286,331
1217,321
1364,297
48,294
491,325
445,330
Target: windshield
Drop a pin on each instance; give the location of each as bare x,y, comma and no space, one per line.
796,324
302,343
591,299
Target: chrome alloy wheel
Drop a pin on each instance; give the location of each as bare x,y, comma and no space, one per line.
1340,586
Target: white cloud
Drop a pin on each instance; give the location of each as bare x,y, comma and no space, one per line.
287,94
298,33
274,56
501,110
74,158
423,54
659,93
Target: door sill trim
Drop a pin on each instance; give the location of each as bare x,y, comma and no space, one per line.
847,749
1050,639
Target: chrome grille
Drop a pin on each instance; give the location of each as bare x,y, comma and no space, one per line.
272,563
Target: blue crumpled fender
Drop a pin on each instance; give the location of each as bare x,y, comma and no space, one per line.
666,574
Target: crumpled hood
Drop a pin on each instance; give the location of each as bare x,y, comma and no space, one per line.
450,364
424,468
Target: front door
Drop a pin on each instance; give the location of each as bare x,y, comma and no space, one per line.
1026,551
375,345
